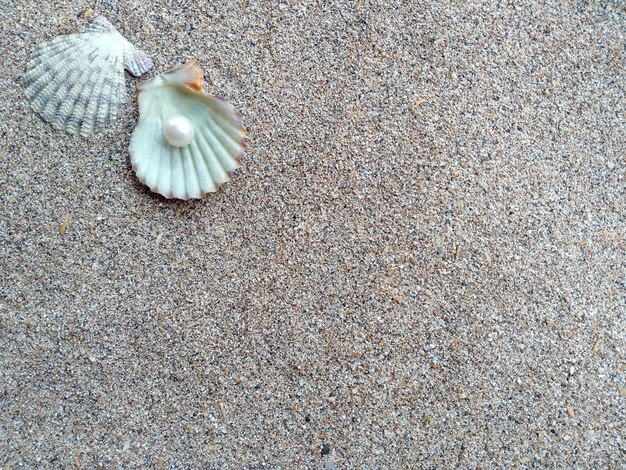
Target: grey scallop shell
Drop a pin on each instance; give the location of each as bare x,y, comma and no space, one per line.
76,82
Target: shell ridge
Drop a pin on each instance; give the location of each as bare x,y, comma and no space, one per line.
43,96
72,110
33,89
217,170
164,177
168,164
157,166
39,84
140,157
225,113
183,171
177,186
59,94
74,42
39,74
100,24
113,75
36,90
209,158
82,99
118,97
227,141
157,172
89,118
204,175
55,98
39,62
228,162
59,43
191,174
187,173
68,112
52,46
103,103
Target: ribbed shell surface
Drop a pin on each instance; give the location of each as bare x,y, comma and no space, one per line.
215,151
76,82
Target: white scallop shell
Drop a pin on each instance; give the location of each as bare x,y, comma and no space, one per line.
76,82
214,151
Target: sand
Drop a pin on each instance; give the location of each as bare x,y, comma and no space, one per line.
419,264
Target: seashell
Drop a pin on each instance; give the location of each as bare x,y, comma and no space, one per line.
186,142
76,82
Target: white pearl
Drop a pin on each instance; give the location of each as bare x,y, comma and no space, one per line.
178,131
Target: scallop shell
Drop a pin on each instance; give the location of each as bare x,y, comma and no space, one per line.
216,143
76,82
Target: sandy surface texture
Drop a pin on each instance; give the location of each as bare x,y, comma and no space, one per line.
419,264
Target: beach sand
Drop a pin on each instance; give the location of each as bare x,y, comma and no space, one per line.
419,264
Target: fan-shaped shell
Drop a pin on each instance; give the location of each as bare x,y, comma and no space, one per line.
215,148
76,82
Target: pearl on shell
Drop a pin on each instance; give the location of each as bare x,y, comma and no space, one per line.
178,131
